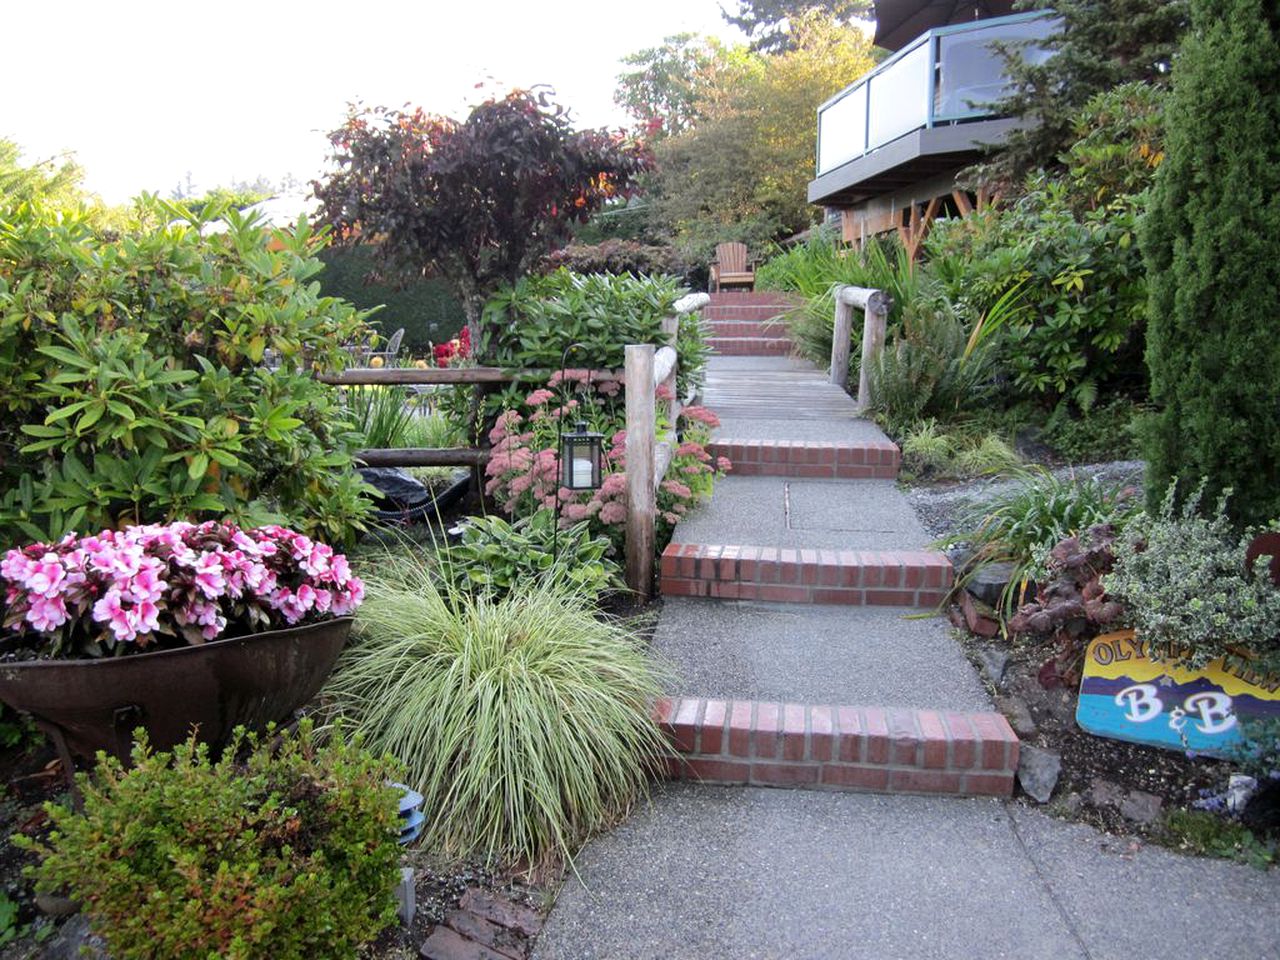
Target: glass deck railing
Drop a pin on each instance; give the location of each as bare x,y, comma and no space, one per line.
944,76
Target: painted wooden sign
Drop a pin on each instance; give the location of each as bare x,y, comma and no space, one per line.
1130,692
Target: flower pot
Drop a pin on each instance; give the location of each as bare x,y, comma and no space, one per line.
91,705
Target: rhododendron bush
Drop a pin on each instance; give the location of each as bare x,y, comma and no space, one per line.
155,587
524,466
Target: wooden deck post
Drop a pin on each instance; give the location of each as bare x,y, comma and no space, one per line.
876,305
642,509
874,322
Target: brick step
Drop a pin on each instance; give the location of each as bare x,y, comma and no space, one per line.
746,328
750,346
743,313
840,748
861,460
753,298
901,578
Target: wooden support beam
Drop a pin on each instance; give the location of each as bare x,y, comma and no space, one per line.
642,509
874,322
963,204
412,376
840,342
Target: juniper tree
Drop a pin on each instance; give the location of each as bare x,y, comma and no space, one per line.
1211,242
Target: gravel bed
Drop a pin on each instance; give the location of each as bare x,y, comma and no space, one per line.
940,506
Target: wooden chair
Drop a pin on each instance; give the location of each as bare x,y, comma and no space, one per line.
730,268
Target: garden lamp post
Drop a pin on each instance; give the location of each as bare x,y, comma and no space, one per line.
581,455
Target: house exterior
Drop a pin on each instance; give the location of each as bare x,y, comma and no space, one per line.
891,143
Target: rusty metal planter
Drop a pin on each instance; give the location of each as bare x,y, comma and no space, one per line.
91,705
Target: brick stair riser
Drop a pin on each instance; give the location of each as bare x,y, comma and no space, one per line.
840,748
742,298
743,314
750,346
843,577
868,460
747,328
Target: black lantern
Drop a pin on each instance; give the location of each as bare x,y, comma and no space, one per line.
581,456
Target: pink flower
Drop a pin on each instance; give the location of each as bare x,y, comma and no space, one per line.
613,512
209,578
701,415
539,397
677,489
47,613
45,576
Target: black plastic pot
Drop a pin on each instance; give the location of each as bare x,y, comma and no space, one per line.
91,705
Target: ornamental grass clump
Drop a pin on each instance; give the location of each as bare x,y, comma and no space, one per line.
161,586
524,721
283,848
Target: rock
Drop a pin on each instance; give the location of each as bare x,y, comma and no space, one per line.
1072,804
1240,789
1038,772
1262,815
75,942
978,617
1141,807
1018,714
1029,446
53,905
993,660
1104,793
988,582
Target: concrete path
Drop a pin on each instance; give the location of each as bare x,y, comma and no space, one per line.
742,872
752,873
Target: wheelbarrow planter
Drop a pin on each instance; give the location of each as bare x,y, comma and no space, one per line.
91,705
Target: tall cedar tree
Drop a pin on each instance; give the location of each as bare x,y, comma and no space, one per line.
1102,43
478,202
1211,240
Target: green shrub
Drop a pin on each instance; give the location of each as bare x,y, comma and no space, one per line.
1208,835
988,455
131,382
927,449
524,721
283,848
924,370
380,413
1021,527
932,451
495,557
1213,254
1109,431
423,307
1183,580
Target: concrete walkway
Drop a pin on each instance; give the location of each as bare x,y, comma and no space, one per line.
743,872
799,875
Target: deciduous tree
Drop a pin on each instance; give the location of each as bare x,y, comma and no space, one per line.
476,202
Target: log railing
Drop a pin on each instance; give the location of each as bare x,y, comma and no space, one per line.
875,305
648,455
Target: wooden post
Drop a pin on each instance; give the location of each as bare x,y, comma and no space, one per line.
642,508
840,341
670,333
873,328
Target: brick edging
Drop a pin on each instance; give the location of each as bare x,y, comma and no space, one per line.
853,460
850,577
764,743
750,346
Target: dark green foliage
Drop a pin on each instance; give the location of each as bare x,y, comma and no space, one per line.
495,557
1212,247
1103,43
1108,431
283,848
476,202
132,382
1209,835
536,319
423,307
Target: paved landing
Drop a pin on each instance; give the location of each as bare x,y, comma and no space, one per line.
783,512
751,873
813,654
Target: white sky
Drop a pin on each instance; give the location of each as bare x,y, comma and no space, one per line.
145,91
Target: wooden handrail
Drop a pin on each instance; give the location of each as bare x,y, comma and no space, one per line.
875,305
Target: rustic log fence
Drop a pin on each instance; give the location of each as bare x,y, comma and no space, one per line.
875,305
648,455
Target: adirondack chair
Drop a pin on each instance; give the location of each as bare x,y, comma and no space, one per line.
730,268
